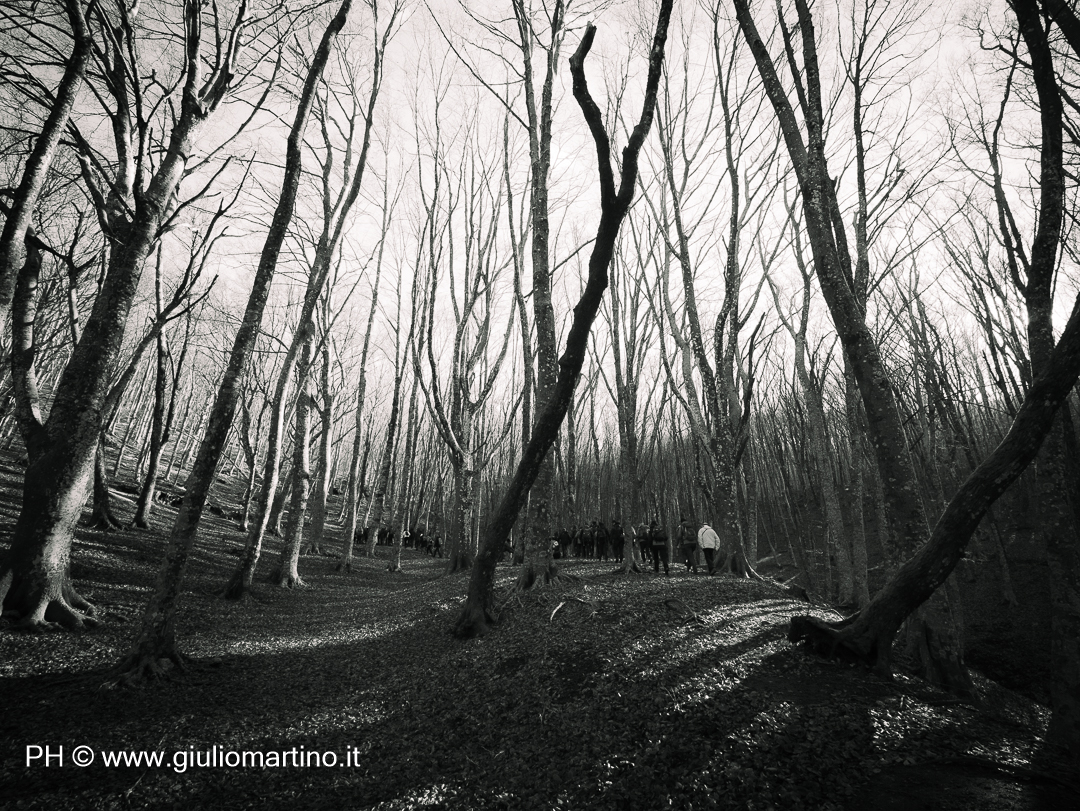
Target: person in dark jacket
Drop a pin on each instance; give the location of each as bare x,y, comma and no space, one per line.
688,545
658,545
603,539
618,539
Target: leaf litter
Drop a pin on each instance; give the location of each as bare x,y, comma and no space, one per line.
607,692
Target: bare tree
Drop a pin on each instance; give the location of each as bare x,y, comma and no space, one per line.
941,657
356,469
154,649
142,198
24,200
338,196
479,609
469,200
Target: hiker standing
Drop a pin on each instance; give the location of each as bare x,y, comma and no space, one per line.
710,543
618,539
688,545
658,545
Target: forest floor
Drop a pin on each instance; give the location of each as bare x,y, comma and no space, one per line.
607,692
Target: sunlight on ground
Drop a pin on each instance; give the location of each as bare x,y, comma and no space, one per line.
278,644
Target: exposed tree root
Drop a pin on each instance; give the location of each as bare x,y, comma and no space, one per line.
140,670
59,611
531,579
102,519
629,568
344,566
828,639
77,601
288,581
474,621
848,641
459,562
39,613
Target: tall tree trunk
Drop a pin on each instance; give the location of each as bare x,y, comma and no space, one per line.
164,413
102,516
287,573
134,417
382,482
356,475
154,650
907,520
857,521
279,502
539,568
240,582
1055,473
479,607
460,556
324,468
407,476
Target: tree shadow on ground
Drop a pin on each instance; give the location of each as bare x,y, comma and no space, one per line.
413,712
613,703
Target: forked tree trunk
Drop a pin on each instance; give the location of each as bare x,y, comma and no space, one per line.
539,568
479,610
34,580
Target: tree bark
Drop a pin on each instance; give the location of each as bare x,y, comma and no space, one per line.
154,649
907,520
18,219
479,610
539,567
287,573
324,467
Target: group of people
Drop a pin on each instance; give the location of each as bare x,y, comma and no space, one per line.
415,538
593,542
597,542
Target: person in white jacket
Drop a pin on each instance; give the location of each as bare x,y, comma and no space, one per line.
710,543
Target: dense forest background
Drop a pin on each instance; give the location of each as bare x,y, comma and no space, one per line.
327,269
